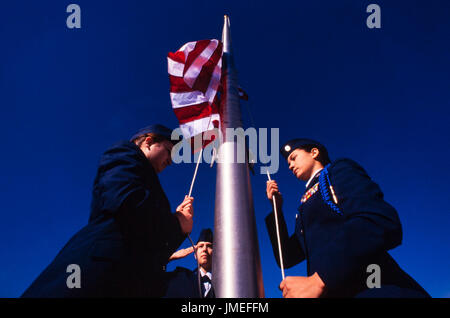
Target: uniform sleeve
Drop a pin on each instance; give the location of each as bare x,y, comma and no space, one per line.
292,251
144,217
370,225
141,212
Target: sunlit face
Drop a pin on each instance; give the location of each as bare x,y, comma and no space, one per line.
302,163
204,254
159,155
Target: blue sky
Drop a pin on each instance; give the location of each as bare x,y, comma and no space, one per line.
312,69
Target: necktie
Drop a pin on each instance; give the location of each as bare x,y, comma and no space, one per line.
205,279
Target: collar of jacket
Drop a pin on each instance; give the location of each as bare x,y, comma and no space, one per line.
140,154
313,181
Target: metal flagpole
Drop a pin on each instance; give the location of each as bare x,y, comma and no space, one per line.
236,261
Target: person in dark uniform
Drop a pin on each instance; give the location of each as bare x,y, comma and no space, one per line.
184,283
343,227
131,233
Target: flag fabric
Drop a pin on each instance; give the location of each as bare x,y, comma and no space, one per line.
195,72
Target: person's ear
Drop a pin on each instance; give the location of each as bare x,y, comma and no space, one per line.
315,153
148,141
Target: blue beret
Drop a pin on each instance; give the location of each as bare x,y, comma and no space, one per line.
293,144
155,129
206,236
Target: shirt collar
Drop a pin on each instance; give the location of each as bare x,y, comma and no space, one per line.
203,273
313,176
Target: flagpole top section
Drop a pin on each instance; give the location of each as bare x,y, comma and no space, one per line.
226,35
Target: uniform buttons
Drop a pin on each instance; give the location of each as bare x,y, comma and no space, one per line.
301,231
296,216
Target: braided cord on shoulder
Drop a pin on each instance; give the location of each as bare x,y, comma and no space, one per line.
324,187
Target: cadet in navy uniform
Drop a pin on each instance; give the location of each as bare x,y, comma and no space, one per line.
184,283
131,232
343,226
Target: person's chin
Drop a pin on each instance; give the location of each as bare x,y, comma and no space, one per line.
160,169
300,177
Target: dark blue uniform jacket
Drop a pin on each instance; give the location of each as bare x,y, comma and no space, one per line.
183,283
131,233
339,247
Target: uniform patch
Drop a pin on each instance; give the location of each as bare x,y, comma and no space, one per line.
310,193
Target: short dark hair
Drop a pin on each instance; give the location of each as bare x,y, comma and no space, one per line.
155,138
323,157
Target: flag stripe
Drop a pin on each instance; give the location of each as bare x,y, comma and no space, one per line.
194,73
187,48
198,126
187,99
186,114
207,71
175,68
195,50
178,56
178,85
215,82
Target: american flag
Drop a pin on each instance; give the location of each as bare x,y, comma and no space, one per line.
195,71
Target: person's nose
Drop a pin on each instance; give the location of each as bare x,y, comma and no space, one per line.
291,165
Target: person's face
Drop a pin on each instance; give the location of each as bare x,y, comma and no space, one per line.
159,155
302,163
204,254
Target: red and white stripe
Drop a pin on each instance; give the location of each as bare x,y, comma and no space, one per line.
194,72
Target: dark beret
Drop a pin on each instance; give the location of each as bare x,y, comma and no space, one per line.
293,144
155,129
206,236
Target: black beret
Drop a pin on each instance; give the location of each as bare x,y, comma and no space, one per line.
155,129
206,235
293,144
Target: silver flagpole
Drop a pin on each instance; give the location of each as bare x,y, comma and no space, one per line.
236,261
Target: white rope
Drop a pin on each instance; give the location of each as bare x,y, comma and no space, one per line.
195,173
189,195
278,230
189,236
190,192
